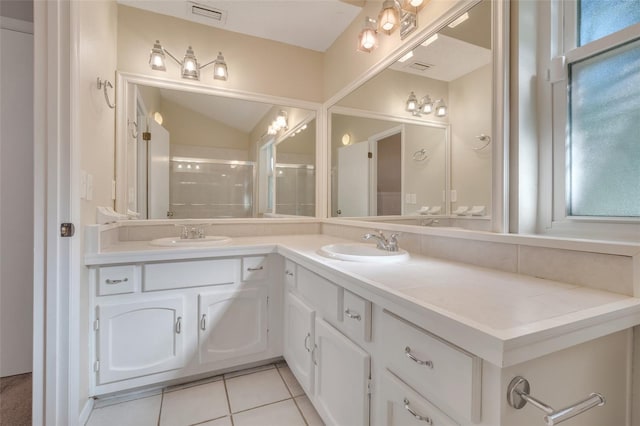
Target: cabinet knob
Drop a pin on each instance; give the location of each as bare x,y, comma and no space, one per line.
179,325
203,322
288,273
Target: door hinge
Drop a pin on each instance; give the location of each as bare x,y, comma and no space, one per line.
267,300
96,324
96,366
369,154
369,387
67,229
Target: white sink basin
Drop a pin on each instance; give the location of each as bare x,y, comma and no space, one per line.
362,252
190,242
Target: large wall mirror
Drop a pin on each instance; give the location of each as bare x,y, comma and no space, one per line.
414,143
186,151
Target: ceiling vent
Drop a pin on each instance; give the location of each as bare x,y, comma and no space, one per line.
419,66
209,13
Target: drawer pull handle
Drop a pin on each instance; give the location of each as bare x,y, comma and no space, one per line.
288,273
179,325
427,420
259,268
409,355
203,322
110,281
306,339
355,316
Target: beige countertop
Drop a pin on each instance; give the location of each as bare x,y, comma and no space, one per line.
503,317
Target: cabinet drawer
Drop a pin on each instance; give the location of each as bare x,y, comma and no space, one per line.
116,280
255,268
402,406
320,293
289,274
442,373
356,317
164,276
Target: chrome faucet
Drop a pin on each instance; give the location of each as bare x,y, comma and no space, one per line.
191,232
390,244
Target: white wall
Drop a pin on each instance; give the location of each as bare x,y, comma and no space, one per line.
16,202
96,140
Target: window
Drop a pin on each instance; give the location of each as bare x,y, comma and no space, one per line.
595,76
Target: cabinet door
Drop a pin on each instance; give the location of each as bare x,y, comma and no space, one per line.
299,339
138,339
232,323
341,379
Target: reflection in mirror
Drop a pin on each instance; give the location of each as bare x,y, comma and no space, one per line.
200,155
444,165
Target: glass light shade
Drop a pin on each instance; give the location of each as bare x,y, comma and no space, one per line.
412,103
441,109
220,68
416,3
368,39
426,105
389,17
157,58
190,67
281,120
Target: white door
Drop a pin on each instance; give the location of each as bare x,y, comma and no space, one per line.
341,379
232,323
16,209
353,180
138,339
158,175
298,340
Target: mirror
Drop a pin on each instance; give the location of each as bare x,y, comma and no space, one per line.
191,152
434,163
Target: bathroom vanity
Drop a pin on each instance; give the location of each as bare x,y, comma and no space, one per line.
423,341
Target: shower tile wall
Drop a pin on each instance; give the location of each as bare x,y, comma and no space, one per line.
211,190
295,190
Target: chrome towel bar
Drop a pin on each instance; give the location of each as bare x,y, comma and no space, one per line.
518,396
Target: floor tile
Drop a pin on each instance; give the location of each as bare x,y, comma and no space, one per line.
253,390
139,412
194,405
224,421
291,381
248,371
308,411
194,383
284,413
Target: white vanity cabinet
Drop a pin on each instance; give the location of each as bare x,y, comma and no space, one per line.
139,338
232,323
159,321
333,370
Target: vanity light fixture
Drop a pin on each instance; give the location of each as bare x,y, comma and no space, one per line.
425,106
189,66
157,117
389,17
368,37
280,123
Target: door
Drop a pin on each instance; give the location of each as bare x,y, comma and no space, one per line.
16,210
298,340
141,338
353,180
341,378
158,172
232,323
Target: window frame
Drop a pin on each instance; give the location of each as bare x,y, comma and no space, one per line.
554,217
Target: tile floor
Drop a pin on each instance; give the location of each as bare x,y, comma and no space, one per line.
263,396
